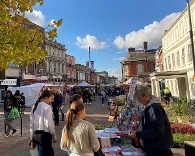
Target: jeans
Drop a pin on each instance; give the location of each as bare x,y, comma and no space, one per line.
40,149
103,100
56,115
8,123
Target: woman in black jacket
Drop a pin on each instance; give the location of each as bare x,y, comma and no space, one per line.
9,102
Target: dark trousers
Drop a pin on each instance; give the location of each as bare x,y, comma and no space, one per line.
44,139
164,152
62,113
56,115
89,98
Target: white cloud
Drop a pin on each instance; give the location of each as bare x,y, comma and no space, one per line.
119,58
89,41
36,17
151,33
115,72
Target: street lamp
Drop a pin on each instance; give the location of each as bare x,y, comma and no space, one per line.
191,36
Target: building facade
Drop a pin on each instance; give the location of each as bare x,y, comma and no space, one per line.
138,63
177,55
102,77
70,70
82,73
55,62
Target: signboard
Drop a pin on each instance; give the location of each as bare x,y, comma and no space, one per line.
9,82
37,76
132,86
92,66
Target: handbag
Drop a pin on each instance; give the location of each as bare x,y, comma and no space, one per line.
32,145
34,152
13,114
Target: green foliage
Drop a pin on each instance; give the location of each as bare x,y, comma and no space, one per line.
100,127
177,109
179,138
20,39
120,102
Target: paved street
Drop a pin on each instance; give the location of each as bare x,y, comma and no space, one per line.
18,145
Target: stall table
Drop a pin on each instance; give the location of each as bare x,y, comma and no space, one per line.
189,148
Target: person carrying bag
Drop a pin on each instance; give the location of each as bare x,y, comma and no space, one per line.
42,129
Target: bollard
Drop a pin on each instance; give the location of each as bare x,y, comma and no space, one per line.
20,123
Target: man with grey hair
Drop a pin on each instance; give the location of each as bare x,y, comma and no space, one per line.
154,130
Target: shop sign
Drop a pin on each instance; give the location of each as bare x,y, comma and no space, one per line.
9,82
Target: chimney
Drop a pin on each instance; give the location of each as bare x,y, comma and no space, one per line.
131,50
145,45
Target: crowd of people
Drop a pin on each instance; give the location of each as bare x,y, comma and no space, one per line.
78,135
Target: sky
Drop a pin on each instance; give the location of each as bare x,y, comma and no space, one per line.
108,27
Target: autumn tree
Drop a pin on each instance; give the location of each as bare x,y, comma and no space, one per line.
21,41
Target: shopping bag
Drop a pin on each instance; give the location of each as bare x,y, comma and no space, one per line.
34,152
13,114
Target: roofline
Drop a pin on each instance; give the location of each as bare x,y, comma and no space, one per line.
178,19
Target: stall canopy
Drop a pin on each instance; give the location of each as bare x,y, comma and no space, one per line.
30,92
83,84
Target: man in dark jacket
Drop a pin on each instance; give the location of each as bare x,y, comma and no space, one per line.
154,129
56,106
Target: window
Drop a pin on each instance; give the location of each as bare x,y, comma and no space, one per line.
176,34
173,59
178,59
183,57
166,64
189,53
125,68
169,62
140,68
26,69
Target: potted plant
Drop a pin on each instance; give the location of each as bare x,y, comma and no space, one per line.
120,103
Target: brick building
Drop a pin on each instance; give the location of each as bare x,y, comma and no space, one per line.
70,70
138,63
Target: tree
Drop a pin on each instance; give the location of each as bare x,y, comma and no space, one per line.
21,41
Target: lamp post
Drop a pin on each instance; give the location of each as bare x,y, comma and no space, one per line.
191,36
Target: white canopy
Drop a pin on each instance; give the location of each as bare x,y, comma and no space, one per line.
84,83
30,92
129,81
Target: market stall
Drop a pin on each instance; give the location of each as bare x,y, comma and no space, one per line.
115,143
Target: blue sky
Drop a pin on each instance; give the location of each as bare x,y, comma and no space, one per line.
109,27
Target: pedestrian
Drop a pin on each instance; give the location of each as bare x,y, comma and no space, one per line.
78,136
103,94
76,97
154,130
42,128
18,97
9,102
56,106
167,95
61,104
22,103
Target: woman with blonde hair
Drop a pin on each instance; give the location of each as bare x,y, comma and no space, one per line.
79,136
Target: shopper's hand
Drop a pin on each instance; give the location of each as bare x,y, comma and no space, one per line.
133,128
55,140
132,134
9,107
135,117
